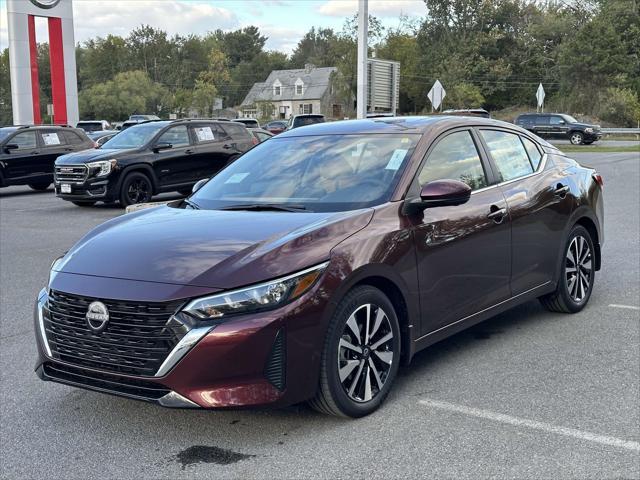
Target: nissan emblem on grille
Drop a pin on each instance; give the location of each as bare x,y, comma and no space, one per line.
97,316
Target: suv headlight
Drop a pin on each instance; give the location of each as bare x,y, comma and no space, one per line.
588,130
265,296
101,168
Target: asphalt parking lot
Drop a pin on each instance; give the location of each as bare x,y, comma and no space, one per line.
526,394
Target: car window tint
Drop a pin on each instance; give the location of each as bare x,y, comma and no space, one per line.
455,157
176,136
534,154
542,120
555,120
73,138
25,140
508,154
206,133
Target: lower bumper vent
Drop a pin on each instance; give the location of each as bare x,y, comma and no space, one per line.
276,370
103,382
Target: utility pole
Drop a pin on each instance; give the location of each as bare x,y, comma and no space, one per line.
363,35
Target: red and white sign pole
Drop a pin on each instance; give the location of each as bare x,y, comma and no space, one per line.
23,60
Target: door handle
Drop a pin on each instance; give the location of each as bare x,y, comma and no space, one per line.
561,190
226,146
497,214
165,171
188,152
35,152
68,149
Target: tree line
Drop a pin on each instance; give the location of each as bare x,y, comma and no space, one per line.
487,53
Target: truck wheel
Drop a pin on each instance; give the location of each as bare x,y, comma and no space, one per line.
576,138
135,188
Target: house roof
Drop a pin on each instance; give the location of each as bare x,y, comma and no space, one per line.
316,82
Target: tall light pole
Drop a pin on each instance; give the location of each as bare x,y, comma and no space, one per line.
363,34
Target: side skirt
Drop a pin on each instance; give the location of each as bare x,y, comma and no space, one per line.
464,323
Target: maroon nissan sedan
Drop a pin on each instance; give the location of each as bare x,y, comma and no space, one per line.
318,262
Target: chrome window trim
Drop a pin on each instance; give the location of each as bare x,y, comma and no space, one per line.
182,348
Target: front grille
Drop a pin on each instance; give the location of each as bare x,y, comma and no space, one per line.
103,382
136,340
275,369
71,173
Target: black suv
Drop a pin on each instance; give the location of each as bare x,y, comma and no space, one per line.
150,158
560,125
27,153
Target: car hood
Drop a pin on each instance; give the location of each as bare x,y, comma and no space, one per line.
209,248
92,155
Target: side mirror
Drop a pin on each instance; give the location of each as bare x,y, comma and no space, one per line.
162,146
439,193
199,185
11,146
562,122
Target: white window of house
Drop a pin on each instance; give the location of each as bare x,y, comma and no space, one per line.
277,88
299,87
305,108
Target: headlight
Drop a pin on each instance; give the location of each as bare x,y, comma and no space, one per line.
101,168
588,130
54,264
264,296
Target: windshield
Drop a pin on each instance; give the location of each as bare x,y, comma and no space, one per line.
134,137
318,173
570,119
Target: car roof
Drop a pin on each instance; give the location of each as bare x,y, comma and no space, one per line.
37,127
417,125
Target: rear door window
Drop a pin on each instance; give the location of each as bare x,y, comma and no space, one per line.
534,154
455,157
73,138
52,139
556,120
508,154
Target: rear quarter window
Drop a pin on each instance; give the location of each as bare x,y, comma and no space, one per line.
237,131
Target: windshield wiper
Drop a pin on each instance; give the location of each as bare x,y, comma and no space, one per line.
267,206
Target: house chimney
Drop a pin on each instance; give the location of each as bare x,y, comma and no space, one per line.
308,67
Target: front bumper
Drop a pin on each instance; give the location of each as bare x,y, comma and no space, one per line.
89,190
592,137
271,358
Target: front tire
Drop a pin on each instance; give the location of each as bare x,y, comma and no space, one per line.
40,187
577,274
135,188
576,138
361,355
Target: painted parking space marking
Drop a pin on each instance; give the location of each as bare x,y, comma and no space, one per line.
627,307
532,424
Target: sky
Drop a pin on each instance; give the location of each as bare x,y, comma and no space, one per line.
283,21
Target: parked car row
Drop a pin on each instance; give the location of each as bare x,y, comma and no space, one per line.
129,166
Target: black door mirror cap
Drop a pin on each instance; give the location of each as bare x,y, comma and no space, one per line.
11,146
162,146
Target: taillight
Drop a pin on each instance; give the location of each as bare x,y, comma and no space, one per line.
255,141
598,178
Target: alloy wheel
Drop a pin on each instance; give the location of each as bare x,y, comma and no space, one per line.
576,139
138,191
365,353
578,268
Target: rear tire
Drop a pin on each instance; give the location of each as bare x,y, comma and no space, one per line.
88,203
361,355
576,138
40,187
136,188
577,274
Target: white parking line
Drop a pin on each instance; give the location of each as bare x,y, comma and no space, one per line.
628,307
523,422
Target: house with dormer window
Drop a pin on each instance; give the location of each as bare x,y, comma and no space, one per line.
293,92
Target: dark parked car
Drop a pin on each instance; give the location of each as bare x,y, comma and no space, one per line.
318,262
102,136
260,134
248,122
304,120
28,153
560,126
276,127
149,158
